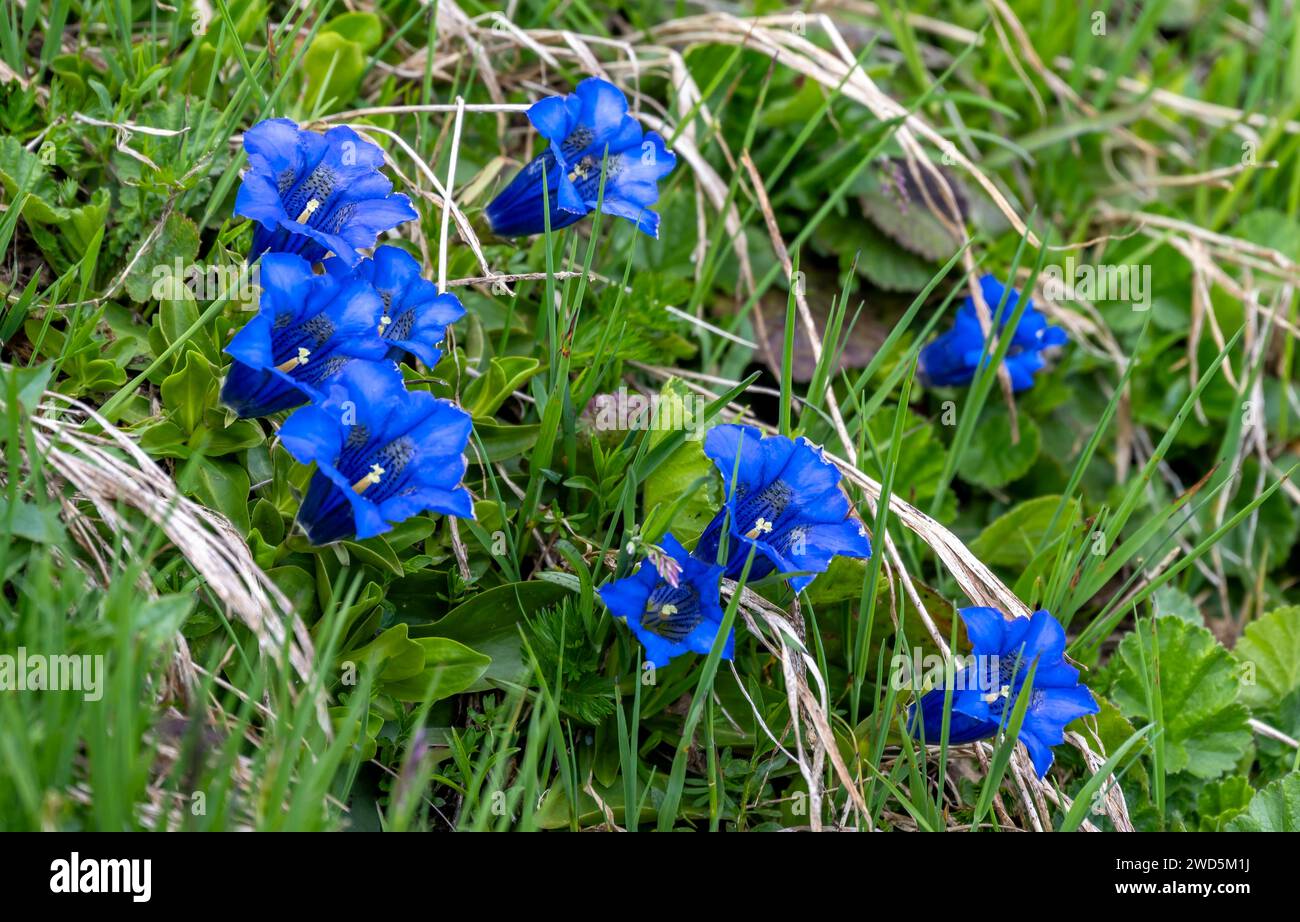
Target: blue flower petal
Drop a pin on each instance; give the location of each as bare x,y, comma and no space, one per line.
667,620
784,501
307,329
954,357
416,316
587,129
314,194
383,454
985,627
1056,698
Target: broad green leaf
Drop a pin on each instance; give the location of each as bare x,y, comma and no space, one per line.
1275,808
502,441
37,523
366,737
393,654
363,28
188,393
1012,539
1220,801
165,439
163,266
489,623
1170,600
681,473
334,66
21,169
225,438
1205,730
299,587
449,669
484,395
991,460
1269,652
224,486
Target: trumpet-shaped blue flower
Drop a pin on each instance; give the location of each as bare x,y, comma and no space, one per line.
786,504
669,619
415,315
382,454
953,358
314,194
583,129
307,328
987,689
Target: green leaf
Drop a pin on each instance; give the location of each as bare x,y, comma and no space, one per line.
489,623
449,669
1012,539
920,455
484,395
334,67
365,737
1220,801
163,265
299,588
1205,730
376,553
224,486
165,439
188,393
363,28
1275,808
393,655
502,442
679,476
1170,600
227,438
910,223
20,169
1269,652
39,524
991,460
268,520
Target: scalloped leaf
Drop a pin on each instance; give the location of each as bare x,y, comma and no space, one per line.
991,460
1275,808
1269,652
1012,539
1205,729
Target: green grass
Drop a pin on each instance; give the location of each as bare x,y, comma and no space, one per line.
1146,502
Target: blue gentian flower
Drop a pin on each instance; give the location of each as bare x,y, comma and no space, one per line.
382,454
583,128
307,328
415,315
987,689
314,194
953,358
787,504
671,616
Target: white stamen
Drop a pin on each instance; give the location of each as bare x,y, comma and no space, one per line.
299,359
376,473
308,210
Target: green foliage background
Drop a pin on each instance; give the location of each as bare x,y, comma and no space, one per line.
469,679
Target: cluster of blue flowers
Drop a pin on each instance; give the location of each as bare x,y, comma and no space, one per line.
785,511
332,324
332,339
981,696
